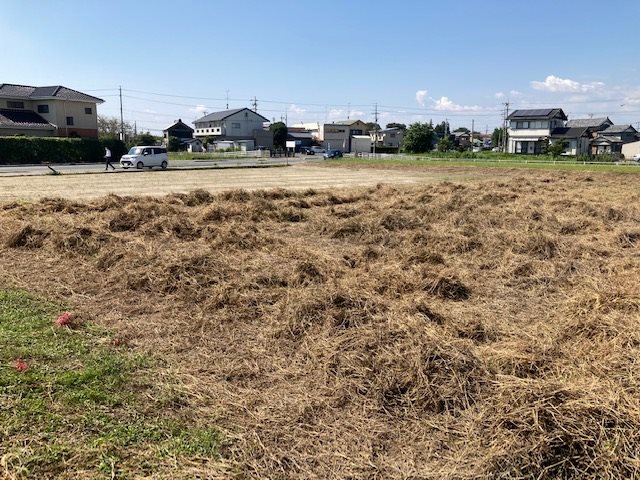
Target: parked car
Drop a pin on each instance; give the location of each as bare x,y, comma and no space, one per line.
317,149
636,157
333,154
307,151
145,156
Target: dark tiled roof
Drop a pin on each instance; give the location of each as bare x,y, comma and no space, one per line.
180,125
542,113
607,139
55,91
567,132
588,122
217,116
617,129
22,119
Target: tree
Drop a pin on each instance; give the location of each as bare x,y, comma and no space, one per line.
418,138
442,129
145,139
445,144
496,137
401,126
173,144
557,148
109,127
371,126
280,131
462,129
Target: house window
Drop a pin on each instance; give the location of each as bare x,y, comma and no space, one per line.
88,110
15,104
43,108
235,125
69,120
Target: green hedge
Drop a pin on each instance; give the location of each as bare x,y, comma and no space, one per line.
34,150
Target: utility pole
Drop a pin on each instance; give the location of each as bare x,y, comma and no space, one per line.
472,125
503,142
227,99
255,104
348,110
121,117
375,130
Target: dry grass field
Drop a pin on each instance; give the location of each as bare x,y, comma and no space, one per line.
444,330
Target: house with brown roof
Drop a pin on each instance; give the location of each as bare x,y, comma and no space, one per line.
47,111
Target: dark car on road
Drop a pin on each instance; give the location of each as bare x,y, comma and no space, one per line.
307,151
333,154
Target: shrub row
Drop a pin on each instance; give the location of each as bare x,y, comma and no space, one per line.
34,150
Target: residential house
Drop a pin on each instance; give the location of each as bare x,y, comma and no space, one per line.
337,135
577,139
592,124
192,145
311,127
47,111
462,139
388,137
530,130
232,125
612,139
631,149
178,129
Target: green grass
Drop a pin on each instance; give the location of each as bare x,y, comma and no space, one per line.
210,156
83,409
487,163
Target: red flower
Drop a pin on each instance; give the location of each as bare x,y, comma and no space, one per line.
64,320
20,365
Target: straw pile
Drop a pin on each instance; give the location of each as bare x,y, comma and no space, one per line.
488,330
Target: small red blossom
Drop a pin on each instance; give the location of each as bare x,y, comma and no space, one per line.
20,365
63,320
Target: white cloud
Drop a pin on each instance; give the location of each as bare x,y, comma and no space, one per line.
557,84
293,108
515,93
199,109
499,95
421,95
445,104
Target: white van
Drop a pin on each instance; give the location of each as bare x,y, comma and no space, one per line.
145,156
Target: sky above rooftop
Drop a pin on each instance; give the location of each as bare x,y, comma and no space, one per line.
324,61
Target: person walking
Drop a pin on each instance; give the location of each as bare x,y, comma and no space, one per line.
107,159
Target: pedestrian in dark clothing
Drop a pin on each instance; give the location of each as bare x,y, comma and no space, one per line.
107,159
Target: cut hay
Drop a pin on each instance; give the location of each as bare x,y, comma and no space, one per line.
487,330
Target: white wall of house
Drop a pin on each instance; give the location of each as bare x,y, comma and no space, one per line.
240,124
630,149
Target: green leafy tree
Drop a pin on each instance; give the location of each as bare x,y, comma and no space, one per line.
280,131
144,139
442,129
496,136
109,127
418,138
173,144
401,126
371,126
557,148
445,144
462,129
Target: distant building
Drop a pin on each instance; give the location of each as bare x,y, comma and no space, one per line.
47,111
530,130
337,135
178,129
230,124
387,137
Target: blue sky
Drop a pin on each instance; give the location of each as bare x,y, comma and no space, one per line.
324,60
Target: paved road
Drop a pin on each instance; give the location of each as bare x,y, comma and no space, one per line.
14,170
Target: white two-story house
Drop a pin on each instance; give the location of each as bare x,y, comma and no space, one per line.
238,124
529,130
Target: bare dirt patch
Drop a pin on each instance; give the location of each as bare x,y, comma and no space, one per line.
487,330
